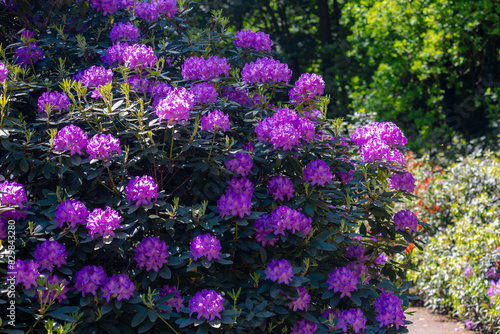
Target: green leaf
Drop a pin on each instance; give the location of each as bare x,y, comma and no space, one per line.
139,318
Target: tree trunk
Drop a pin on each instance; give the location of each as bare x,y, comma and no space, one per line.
325,33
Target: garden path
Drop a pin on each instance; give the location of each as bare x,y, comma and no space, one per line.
426,322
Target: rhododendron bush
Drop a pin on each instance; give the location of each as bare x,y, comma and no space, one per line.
168,179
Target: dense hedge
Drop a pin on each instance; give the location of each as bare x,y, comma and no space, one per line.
459,269
185,186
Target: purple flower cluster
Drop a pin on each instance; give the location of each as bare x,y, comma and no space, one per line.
264,226
96,76
406,219
389,309
304,326
103,222
246,39
404,182
241,164
102,146
4,72
264,70
139,55
205,245
215,121
114,54
307,86
302,302
359,270
3,230
176,301
237,201
238,95
49,254
48,296
141,190
151,253
106,6
469,324
52,101
89,279
204,92
285,129
357,252
493,273
29,52
118,286
342,280
494,290
197,68
378,142
175,106
26,272
317,172
124,32
207,303
468,272
71,138
152,11
280,187
283,218
354,317
12,194
279,271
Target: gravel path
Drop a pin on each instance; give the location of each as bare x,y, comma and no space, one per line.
425,322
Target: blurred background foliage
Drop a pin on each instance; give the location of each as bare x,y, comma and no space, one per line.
431,66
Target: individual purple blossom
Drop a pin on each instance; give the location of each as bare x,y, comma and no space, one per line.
52,101
283,218
176,106
356,252
241,164
307,86
49,296
279,271
354,317
493,273
103,146
468,272
207,303
12,194
360,270
263,226
26,272
404,182
139,55
493,290
118,286
71,138
342,280
265,70
346,178
106,6
96,76
317,172
215,121
159,92
4,72
247,39
89,279
205,245
304,326
469,324
151,11
124,32
389,310
141,190
199,68
285,129
381,259
29,52
103,222
176,301
302,302
233,204
204,92
71,211
280,187
114,54
405,219
238,95
151,253
49,254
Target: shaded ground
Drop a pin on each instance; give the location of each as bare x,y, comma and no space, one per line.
425,322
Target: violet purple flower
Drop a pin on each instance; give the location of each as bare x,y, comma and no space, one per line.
141,190
71,211
4,72
117,286
342,280
50,254
175,302
283,218
207,303
151,253
204,92
152,11
405,219
137,56
307,86
199,68
389,310
52,101
302,302
124,32
241,164
26,272
71,138
46,296
12,194
404,182
263,226
265,70
103,146
304,326
215,121
280,187
89,279
103,222
279,271
247,39
205,245
317,172
176,106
